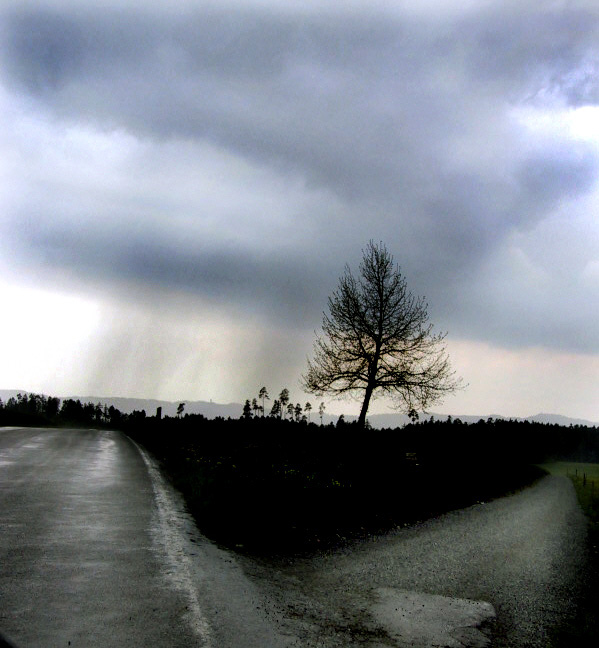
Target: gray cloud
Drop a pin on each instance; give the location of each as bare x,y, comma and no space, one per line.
558,173
402,123
281,288
532,46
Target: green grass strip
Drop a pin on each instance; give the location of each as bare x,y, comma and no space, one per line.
585,478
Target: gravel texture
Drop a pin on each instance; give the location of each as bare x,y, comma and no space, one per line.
519,558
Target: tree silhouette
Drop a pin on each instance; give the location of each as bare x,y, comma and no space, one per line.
308,409
321,409
276,408
263,395
180,408
376,338
283,399
290,410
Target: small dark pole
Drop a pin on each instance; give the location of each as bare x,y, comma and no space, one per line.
584,479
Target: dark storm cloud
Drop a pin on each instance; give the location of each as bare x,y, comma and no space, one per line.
404,120
355,103
282,289
308,96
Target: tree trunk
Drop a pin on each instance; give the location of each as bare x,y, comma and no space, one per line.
367,395
372,370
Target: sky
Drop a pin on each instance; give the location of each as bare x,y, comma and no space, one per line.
183,183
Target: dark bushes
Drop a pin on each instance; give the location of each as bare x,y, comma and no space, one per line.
275,485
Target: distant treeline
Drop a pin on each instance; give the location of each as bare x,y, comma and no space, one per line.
530,441
269,481
37,409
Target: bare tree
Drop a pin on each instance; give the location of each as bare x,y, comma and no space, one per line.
377,339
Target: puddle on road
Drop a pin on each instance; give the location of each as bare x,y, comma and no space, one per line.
423,620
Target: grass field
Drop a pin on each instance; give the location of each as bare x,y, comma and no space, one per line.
585,477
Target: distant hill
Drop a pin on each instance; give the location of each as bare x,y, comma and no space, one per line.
560,420
211,410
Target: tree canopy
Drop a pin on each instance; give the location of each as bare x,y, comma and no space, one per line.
376,339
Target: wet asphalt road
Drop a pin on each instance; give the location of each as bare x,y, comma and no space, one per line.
94,551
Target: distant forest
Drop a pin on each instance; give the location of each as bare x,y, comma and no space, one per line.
529,441
269,481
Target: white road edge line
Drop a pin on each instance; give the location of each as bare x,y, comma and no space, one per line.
168,534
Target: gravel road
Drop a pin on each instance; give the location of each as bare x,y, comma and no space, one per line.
502,573
96,550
